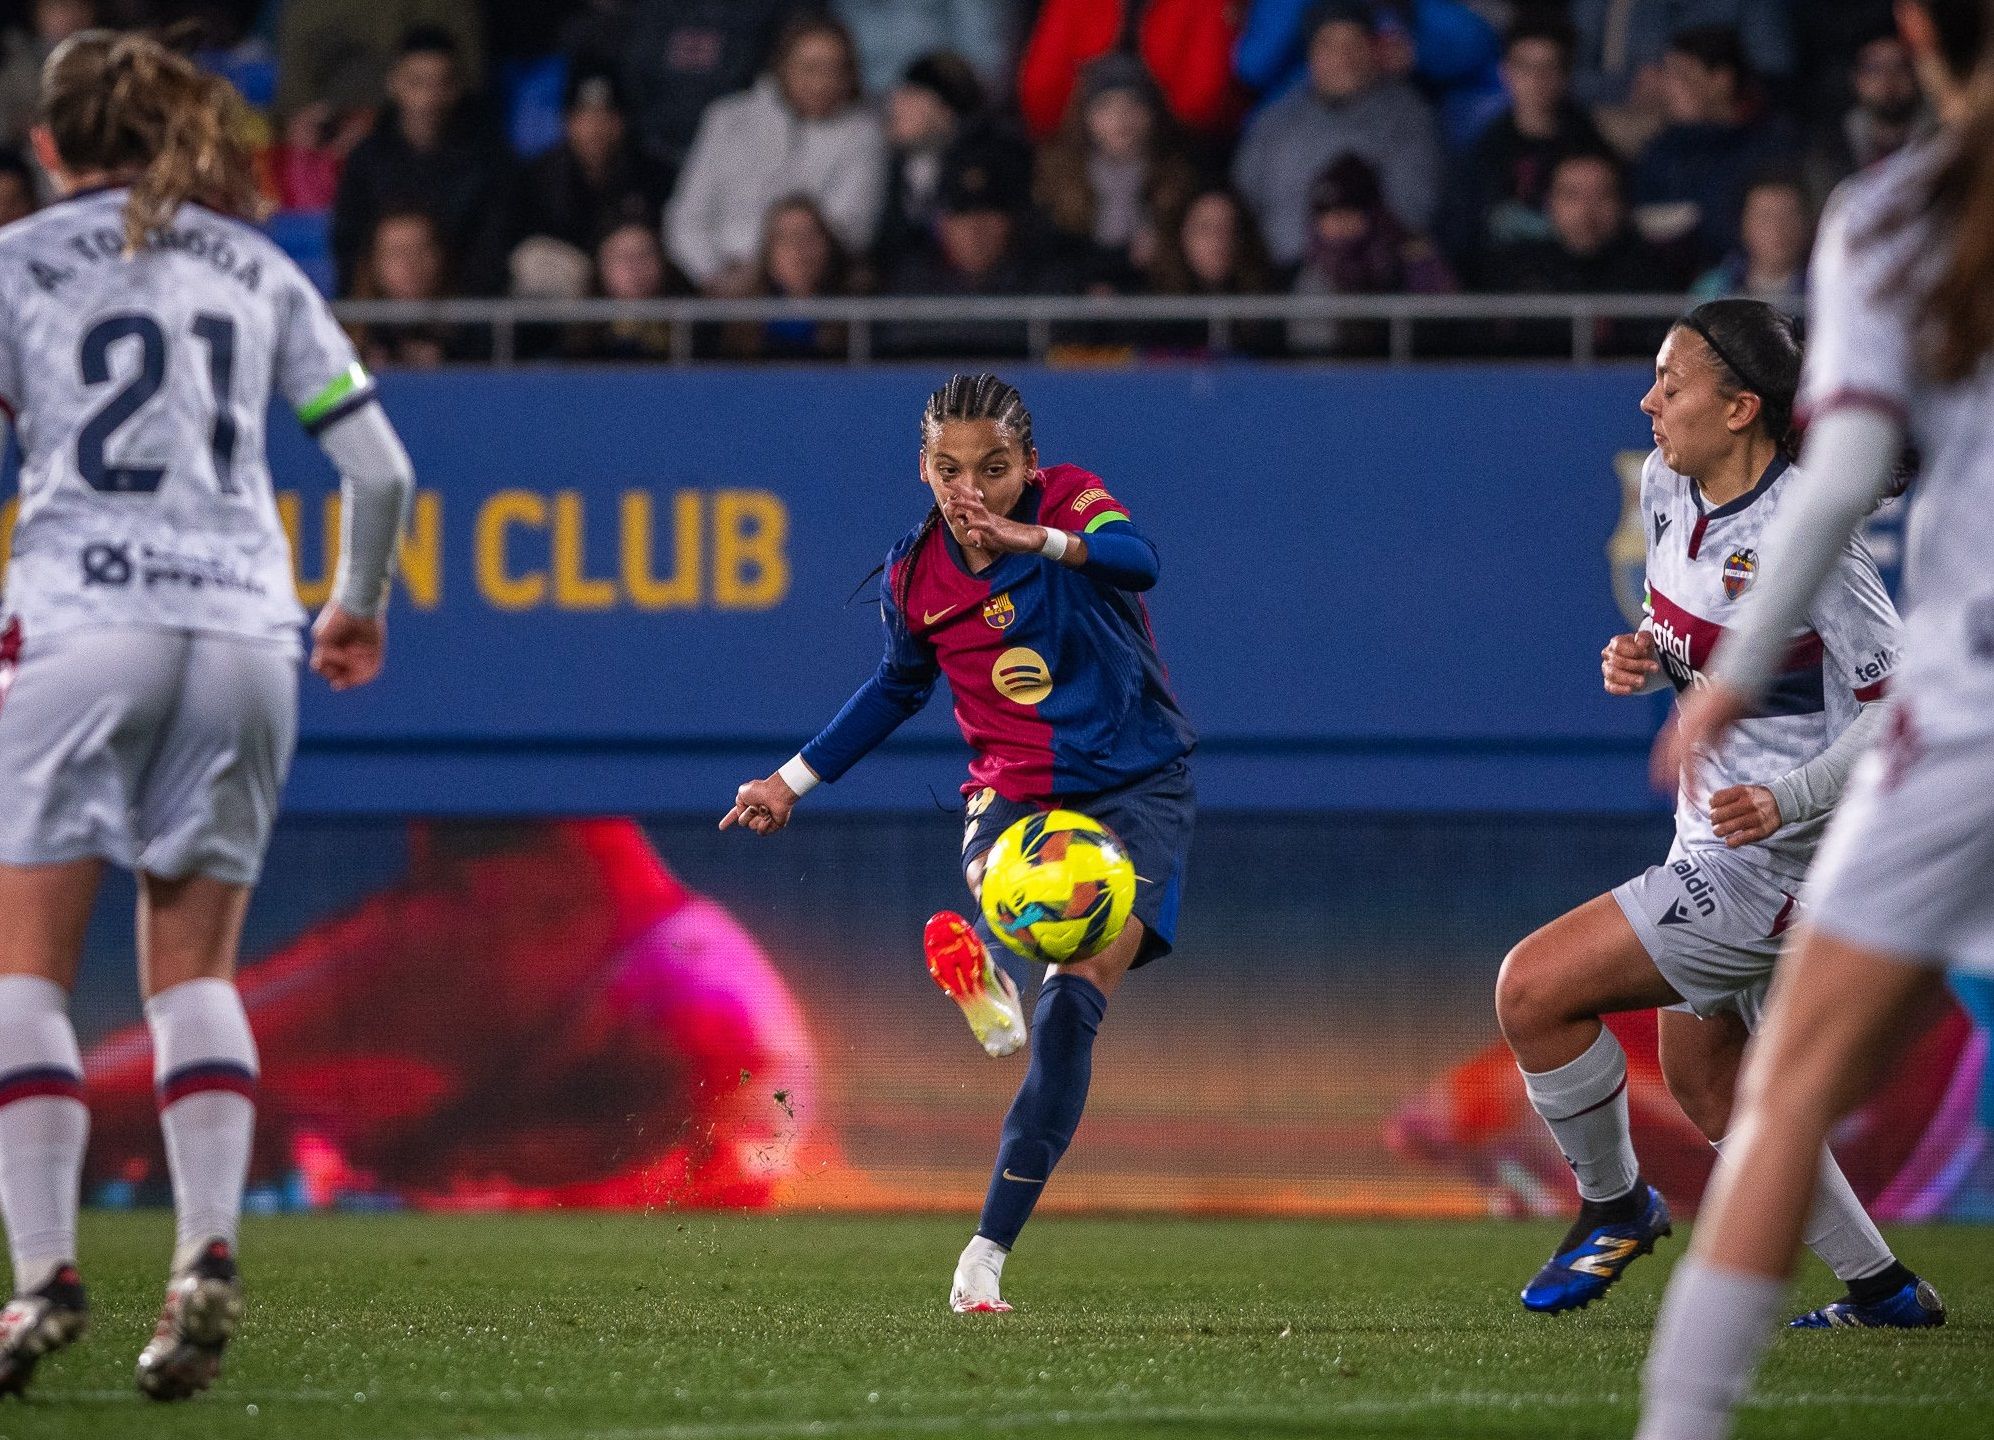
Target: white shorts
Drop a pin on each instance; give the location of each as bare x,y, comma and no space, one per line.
158,750
1908,865
1713,921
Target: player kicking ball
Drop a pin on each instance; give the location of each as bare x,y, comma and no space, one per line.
1022,586
1700,933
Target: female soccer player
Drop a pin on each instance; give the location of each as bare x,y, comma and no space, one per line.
152,645
1022,586
1705,927
1903,307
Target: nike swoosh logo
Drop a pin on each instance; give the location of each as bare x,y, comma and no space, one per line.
927,619
1021,1179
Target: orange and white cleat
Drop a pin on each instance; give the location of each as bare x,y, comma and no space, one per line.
978,1275
964,968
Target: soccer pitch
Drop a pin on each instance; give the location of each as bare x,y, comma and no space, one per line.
692,1327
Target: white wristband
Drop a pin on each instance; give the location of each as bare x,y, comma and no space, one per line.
798,776
1056,544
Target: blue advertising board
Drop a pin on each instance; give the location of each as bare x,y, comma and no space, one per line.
627,590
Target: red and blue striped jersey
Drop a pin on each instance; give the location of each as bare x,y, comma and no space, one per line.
1057,682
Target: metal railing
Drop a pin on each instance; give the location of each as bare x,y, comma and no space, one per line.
1036,314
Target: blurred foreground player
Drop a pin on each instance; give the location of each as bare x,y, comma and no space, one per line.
1023,586
148,658
1703,930
1903,311
150,651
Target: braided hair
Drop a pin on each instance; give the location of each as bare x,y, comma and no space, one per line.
964,397
1753,348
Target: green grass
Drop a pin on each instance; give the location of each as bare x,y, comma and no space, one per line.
671,1328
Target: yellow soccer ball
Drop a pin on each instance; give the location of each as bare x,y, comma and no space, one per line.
1058,887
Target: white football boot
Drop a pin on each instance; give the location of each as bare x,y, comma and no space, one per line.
978,1275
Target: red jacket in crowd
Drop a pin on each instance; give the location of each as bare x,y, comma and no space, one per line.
1187,45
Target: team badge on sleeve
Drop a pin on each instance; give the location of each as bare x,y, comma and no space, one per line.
1741,567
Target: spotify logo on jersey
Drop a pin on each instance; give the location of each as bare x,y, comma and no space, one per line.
1022,675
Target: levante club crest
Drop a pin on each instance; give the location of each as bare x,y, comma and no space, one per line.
1740,568
999,612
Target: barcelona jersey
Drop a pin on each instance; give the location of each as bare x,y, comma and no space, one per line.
1058,686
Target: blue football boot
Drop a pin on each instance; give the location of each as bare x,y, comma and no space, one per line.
1591,1257
1915,1306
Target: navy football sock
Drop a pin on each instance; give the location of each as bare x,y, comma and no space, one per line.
1047,1110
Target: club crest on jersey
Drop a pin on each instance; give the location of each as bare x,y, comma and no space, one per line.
1741,567
999,612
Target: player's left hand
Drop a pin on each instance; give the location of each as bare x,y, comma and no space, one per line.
347,649
1704,718
975,524
1743,814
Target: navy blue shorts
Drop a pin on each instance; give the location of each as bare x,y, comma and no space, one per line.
1152,817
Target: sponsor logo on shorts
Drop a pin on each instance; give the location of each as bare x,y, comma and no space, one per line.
1699,891
1741,567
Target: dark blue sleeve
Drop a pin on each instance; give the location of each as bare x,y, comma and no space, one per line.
895,694
1121,555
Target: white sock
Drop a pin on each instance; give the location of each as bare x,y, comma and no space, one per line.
1585,1104
204,1065
1713,1329
1839,1230
988,1251
44,1126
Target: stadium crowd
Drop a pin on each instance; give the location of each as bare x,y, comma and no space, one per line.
801,148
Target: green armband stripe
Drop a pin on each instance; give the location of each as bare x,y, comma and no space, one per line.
1105,517
353,378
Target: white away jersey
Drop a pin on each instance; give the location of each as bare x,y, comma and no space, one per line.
1872,266
139,388
1701,561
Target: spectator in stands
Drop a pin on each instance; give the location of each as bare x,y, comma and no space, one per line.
630,264
680,56
339,53
596,176
893,34
1774,240
1446,45
1690,181
427,153
1623,43
935,100
1346,108
1187,45
800,260
1357,246
800,131
1497,191
406,259
1115,169
981,246
18,196
1827,39
305,164
1591,250
1212,248
1888,113
23,50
